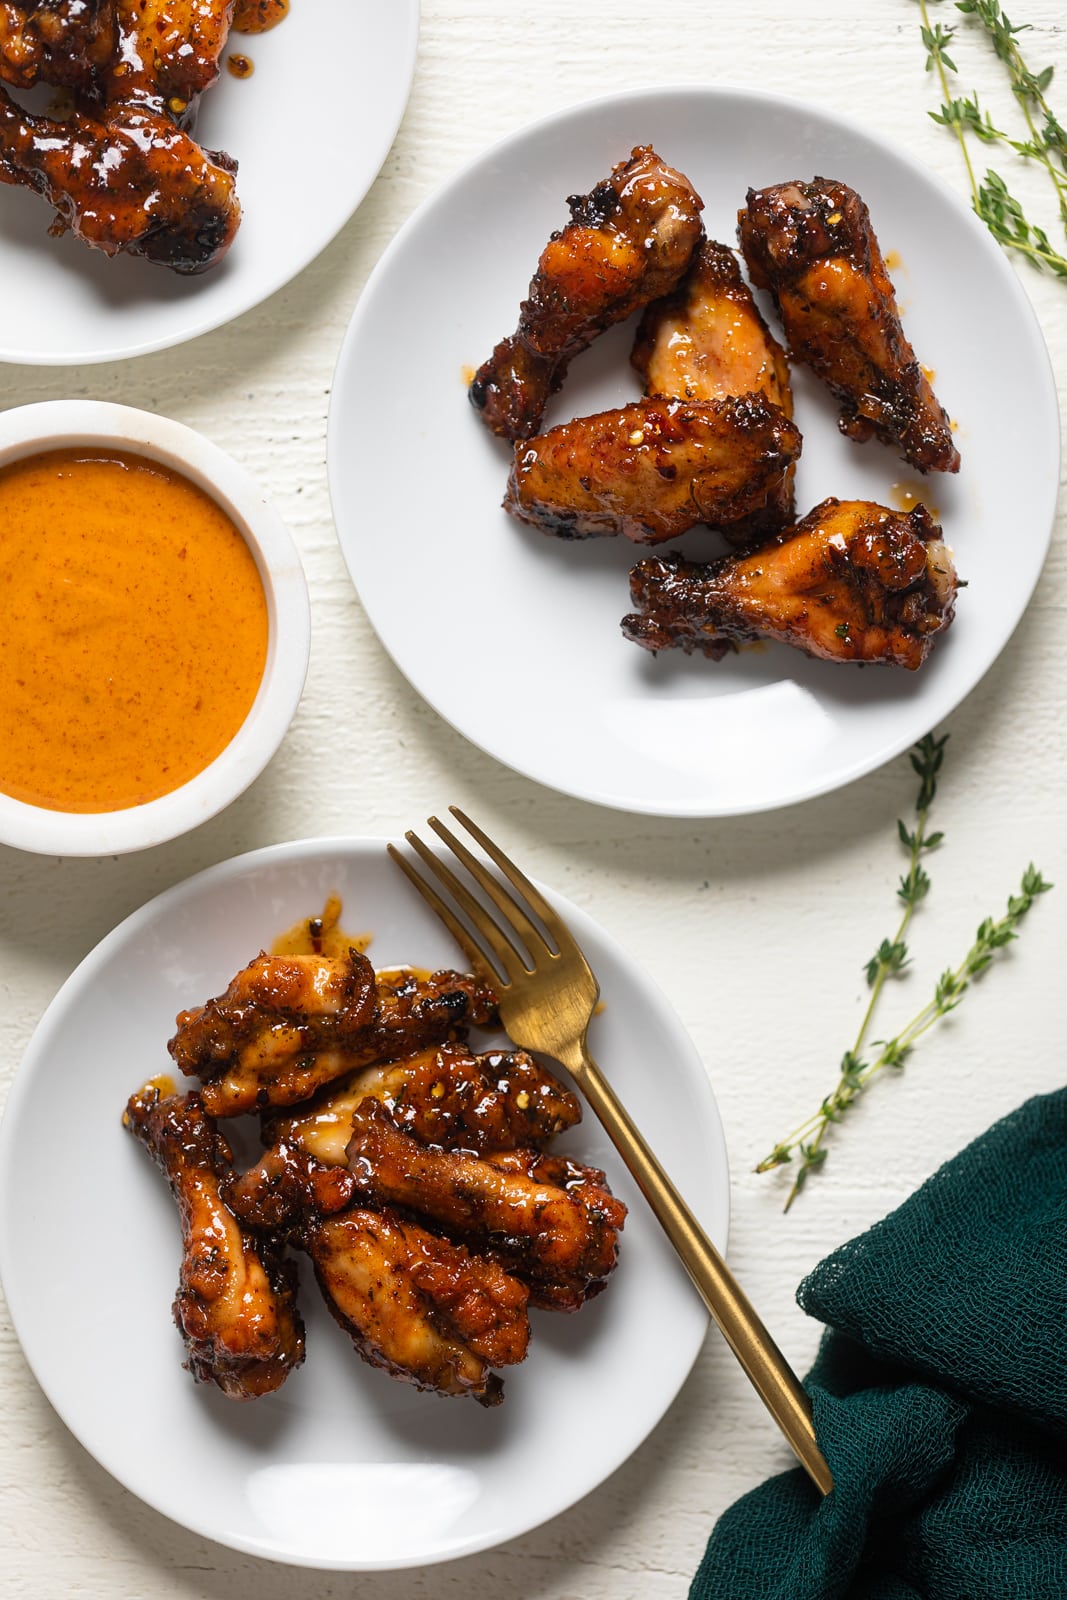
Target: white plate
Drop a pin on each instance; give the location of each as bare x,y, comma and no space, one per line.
309,129
343,1467
514,636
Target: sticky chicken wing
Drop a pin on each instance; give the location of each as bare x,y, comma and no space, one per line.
853,581
813,247
122,171
445,1096
276,1008
628,241
652,469
707,341
236,1305
420,1306
134,183
544,1234
271,1051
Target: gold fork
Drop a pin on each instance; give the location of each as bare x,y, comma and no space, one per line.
547,998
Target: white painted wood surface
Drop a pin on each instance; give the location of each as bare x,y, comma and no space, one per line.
755,928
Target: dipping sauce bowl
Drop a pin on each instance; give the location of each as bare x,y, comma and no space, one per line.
157,629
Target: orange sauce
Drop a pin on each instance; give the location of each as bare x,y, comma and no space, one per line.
240,66
892,260
320,936
134,630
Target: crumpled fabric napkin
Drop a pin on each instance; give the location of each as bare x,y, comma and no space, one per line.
940,1397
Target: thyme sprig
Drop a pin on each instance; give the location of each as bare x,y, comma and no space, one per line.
805,1144
1046,141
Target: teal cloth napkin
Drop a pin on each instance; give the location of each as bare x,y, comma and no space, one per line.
940,1398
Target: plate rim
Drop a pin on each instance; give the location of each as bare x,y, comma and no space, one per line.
952,695
291,852
409,18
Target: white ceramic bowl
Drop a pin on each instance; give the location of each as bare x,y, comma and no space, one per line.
60,424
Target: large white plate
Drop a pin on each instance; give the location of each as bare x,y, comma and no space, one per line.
310,129
344,1467
514,636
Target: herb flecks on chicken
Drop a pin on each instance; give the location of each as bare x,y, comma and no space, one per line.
236,1305
853,581
813,247
654,468
628,241
707,341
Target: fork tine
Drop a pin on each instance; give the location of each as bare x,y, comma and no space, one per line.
473,952
507,957
513,913
541,908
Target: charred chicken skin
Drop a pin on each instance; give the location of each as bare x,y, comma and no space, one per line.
628,241
122,171
707,341
812,246
654,468
420,1306
235,1304
853,581
544,1234
288,1025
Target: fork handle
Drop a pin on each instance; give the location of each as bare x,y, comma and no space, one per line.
767,1369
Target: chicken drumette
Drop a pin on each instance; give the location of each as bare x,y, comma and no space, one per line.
654,468
627,242
812,246
122,170
235,1304
707,341
853,581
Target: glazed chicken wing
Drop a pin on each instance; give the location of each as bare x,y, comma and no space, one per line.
236,1305
654,468
276,1008
627,242
445,1096
544,1234
812,246
134,183
420,1306
260,1045
853,581
707,341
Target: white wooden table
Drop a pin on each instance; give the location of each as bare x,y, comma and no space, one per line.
755,928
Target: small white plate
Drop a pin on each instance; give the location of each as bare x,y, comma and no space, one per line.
309,130
514,636
343,1467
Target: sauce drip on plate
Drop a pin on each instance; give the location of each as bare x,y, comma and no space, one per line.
135,630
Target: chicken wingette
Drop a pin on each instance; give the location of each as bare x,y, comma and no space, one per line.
652,469
853,581
707,341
